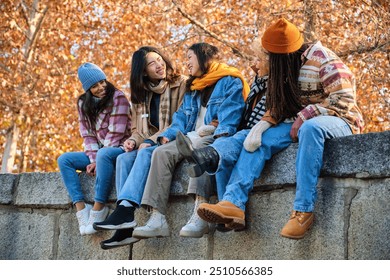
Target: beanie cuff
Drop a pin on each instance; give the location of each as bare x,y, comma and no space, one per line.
281,49
90,74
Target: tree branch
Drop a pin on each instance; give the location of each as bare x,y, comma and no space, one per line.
13,108
5,68
35,34
364,50
235,50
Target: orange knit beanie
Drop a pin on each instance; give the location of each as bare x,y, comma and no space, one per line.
282,37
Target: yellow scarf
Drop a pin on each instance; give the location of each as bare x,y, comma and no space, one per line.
215,73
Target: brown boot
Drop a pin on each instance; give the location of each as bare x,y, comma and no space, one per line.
223,212
299,223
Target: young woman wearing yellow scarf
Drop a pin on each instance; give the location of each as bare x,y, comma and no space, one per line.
212,107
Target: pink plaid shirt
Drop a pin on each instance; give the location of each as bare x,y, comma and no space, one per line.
113,126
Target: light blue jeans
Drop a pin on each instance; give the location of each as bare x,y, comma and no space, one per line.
132,170
70,162
245,167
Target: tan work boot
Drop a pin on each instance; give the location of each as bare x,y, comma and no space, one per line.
298,225
224,212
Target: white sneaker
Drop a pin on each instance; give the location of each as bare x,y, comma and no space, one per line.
96,217
195,227
157,226
83,217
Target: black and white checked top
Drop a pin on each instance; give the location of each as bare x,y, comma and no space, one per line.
258,88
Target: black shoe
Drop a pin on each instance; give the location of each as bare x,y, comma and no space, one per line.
122,217
121,237
201,160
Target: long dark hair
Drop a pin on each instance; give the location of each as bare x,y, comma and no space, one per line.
138,79
283,94
91,109
205,53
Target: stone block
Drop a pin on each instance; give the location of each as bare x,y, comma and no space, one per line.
7,182
173,247
37,221
362,156
27,235
267,212
88,188
279,170
73,246
369,227
43,189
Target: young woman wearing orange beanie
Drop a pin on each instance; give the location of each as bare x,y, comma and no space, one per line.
311,98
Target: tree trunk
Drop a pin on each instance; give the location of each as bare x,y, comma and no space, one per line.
311,20
34,18
24,155
10,149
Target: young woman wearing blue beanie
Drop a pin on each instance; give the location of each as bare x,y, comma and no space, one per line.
105,124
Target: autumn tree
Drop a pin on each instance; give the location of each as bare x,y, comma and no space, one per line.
43,42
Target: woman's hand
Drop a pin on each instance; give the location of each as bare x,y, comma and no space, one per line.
129,145
294,129
144,145
164,140
91,169
206,130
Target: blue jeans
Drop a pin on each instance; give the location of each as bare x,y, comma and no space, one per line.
70,162
132,170
248,166
244,166
312,136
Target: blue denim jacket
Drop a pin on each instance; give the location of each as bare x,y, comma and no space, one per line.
226,104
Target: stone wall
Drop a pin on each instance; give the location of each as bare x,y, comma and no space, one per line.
352,221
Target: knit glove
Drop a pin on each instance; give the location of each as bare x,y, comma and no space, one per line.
253,139
205,130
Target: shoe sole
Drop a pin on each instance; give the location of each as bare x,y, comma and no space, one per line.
193,234
89,231
230,222
132,224
184,146
145,235
125,242
227,229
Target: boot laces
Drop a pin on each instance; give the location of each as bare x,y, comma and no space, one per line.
154,219
195,219
299,215
295,214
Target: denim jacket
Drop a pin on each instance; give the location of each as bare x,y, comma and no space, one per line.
226,104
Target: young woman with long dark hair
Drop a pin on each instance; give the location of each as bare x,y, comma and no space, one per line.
212,108
157,91
311,97
105,124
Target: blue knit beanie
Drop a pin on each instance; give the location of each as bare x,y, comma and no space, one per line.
89,74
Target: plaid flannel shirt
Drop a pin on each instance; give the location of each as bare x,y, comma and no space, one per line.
113,126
